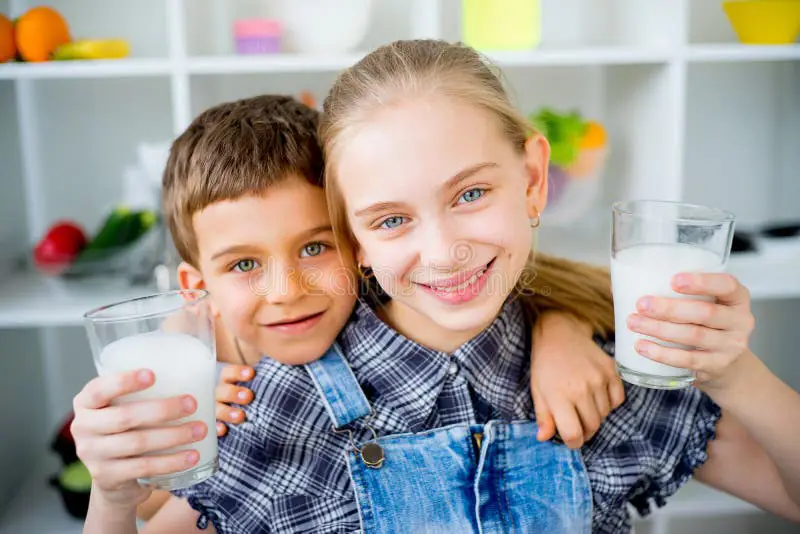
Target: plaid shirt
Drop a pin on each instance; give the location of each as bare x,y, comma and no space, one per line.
284,470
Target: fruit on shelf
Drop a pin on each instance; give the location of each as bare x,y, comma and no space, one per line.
93,49
8,47
39,32
59,247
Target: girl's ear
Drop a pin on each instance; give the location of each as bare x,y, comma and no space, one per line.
537,162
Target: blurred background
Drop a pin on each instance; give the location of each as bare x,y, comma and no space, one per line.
672,99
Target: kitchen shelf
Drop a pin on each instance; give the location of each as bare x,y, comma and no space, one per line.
32,300
738,52
110,68
233,64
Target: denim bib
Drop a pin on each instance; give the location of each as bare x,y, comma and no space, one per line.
490,478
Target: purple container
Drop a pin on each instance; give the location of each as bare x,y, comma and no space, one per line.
257,36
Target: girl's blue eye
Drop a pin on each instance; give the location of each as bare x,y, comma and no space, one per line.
313,249
472,195
245,266
392,222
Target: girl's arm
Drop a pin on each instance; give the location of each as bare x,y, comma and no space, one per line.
574,383
755,455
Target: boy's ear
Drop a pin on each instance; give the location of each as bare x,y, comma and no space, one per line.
190,277
537,163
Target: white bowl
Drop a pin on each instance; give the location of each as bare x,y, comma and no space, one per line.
324,26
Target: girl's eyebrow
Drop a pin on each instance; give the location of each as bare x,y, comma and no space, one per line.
467,173
378,207
451,183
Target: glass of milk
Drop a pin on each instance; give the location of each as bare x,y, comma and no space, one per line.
651,242
172,334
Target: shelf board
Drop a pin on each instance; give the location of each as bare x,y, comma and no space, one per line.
111,68
320,62
252,64
712,53
31,300
596,55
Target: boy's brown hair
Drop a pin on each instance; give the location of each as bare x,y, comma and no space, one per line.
233,150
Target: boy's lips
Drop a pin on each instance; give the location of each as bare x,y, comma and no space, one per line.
296,325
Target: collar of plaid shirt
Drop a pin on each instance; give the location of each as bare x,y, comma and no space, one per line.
409,378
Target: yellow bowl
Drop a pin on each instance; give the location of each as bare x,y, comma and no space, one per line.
775,22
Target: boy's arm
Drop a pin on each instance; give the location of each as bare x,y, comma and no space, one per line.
574,383
174,517
152,505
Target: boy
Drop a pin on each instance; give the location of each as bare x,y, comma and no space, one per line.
243,197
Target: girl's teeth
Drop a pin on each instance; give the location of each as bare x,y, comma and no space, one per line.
463,285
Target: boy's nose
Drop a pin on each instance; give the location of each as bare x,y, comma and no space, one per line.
281,284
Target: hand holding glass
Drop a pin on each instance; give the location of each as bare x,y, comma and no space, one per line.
653,241
171,334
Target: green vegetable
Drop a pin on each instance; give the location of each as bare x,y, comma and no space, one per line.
563,131
75,477
112,230
122,227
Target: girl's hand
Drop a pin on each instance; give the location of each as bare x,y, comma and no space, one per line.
112,440
229,392
574,383
718,330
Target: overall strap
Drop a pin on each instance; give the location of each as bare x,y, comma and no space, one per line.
338,387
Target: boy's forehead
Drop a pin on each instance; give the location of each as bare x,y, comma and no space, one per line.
280,214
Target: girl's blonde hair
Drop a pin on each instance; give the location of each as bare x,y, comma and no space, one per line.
415,68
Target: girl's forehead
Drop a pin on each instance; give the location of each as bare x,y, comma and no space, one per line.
419,137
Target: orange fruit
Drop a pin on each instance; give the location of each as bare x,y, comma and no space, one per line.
39,32
594,137
8,48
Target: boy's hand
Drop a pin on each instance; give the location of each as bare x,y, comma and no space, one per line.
574,383
720,330
112,441
229,392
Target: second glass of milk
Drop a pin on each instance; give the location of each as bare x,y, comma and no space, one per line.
652,241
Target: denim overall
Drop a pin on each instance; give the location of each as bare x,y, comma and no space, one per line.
490,478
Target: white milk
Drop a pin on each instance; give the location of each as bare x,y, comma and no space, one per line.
646,270
182,365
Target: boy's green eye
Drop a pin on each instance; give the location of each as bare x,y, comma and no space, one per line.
312,249
245,266
472,195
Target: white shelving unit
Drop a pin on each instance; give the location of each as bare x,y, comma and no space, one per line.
692,115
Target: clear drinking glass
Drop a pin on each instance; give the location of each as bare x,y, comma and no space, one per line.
652,241
172,334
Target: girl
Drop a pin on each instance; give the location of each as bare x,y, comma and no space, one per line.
435,181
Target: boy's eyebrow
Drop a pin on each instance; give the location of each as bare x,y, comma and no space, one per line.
240,249
234,249
316,230
451,183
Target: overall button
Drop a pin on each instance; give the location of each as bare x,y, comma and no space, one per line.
453,369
